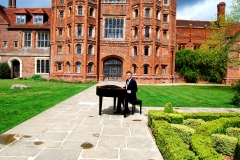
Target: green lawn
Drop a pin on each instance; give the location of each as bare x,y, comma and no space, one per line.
186,96
17,105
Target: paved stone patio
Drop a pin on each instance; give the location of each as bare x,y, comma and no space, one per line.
73,130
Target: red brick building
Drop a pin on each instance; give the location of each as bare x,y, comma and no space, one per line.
97,40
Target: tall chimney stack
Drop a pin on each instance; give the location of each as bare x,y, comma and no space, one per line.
221,10
11,3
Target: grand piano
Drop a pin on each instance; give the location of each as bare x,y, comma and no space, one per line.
111,91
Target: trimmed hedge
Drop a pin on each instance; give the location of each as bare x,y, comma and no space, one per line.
233,132
193,123
184,132
169,143
224,144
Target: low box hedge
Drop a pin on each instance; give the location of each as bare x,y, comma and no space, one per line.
224,144
193,123
233,132
184,132
169,143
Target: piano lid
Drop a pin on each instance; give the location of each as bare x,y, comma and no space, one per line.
110,86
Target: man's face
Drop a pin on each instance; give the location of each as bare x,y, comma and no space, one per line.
129,76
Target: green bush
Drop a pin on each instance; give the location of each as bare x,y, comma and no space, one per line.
233,132
169,143
202,147
184,132
37,77
168,108
224,144
238,149
236,89
193,123
5,71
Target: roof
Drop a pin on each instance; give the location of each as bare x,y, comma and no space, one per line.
30,12
3,16
194,23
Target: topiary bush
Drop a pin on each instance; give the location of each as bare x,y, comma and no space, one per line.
37,77
5,71
168,108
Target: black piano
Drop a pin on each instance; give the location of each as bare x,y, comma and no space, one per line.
111,91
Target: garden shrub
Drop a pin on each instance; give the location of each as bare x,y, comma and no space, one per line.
168,108
37,77
5,71
238,149
169,143
233,132
224,144
184,132
193,123
236,88
202,147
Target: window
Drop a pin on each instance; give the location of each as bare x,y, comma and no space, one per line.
163,70
135,50
68,49
59,49
79,30
68,67
90,65
4,44
165,18
27,39
113,28
69,31
62,1
134,68
147,32
59,66
136,13
20,19
157,49
38,19
79,49
43,40
165,2
61,14
196,47
156,70
91,12
180,47
157,33
60,32
15,44
164,34
90,50
90,31
80,10
146,51
78,67
147,12
70,12
145,69
157,14
135,32
42,65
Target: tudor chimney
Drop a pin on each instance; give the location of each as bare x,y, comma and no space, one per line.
221,10
11,3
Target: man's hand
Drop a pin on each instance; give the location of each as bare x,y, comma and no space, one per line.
129,91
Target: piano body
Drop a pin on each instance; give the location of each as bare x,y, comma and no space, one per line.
110,91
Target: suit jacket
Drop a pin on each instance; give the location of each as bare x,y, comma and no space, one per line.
133,87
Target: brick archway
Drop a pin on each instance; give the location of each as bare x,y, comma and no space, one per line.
15,64
112,69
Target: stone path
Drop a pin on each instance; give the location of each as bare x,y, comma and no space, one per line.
73,130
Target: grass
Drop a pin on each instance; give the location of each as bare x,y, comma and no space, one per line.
186,96
17,105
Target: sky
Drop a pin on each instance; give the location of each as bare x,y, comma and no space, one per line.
186,9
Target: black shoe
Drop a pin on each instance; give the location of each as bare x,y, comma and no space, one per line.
127,111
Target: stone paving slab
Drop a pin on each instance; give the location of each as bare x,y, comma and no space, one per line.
62,132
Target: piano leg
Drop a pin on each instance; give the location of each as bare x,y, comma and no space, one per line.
100,105
125,107
114,103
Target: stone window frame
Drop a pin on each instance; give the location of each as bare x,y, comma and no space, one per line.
60,31
147,12
119,26
91,12
90,67
135,50
157,33
21,19
166,2
91,50
80,10
134,66
59,66
78,49
27,40
135,32
147,32
146,50
156,69
78,67
69,11
60,49
69,31
115,1
38,19
79,30
61,14
136,14
68,67
146,69
43,39
165,18
164,69
4,44
68,48
42,65
91,32
15,44
158,14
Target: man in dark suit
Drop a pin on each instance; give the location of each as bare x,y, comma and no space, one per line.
131,87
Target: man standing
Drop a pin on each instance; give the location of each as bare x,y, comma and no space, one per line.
131,87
